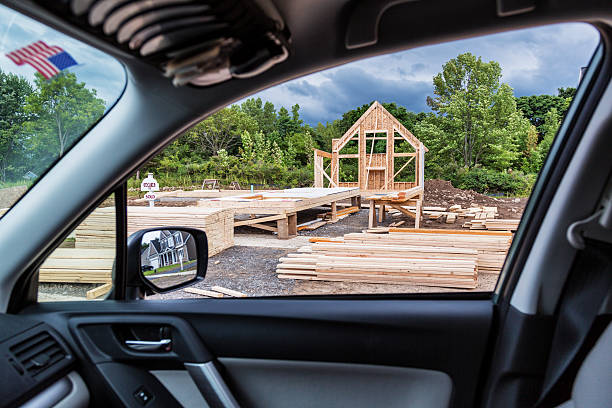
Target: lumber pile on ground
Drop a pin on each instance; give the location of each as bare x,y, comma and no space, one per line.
425,257
98,229
216,222
91,259
492,225
452,213
78,265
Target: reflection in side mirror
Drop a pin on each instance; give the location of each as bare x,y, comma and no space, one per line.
168,257
165,259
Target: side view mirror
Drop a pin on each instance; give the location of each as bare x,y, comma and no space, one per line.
167,258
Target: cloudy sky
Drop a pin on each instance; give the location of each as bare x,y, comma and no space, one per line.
100,72
533,61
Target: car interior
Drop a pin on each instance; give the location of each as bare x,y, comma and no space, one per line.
542,338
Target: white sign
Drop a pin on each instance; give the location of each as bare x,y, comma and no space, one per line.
151,196
149,184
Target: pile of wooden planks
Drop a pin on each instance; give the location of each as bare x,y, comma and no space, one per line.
217,223
98,229
91,259
452,213
78,265
425,257
493,225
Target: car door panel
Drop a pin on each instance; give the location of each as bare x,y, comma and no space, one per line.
318,349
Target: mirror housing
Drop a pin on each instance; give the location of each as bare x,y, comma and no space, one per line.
192,268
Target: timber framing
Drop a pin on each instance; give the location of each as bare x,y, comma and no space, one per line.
376,170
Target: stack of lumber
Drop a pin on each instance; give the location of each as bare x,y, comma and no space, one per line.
337,261
491,246
78,265
98,229
492,225
91,259
425,257
216,222
453,212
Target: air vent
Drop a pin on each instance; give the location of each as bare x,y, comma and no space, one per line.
198,42
37,353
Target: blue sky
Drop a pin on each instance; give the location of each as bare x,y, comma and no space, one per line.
534,61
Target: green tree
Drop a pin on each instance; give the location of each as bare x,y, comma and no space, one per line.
535,107
475,120
220,131
551,124
14,91
63,109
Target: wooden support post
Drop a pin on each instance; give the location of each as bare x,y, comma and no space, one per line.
283,228
334,211
318,170
372,215
287,227
292,220
356,201
362,159
381,213
418,212
390,165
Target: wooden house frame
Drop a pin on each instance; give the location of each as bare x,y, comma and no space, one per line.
376,170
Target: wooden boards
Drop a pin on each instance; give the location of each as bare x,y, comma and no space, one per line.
74,265
91,259
493,225
99,291
423,257
215,291
396,200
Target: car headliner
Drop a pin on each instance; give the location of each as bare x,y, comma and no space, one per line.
151,112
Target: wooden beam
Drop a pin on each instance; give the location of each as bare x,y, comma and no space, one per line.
348,156
404,154
322,153
99,291
264,227
203,292
228,292
259,220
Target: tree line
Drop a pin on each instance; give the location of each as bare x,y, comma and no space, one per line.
479,135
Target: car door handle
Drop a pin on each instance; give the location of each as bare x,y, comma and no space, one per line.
147,345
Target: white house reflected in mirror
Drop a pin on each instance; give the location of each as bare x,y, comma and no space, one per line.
168,257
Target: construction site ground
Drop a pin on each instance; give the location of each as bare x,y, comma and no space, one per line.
250,265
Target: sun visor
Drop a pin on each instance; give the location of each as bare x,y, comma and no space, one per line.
197,42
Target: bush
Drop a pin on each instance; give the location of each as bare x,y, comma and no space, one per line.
490,181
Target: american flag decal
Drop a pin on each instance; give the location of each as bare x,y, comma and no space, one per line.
48,61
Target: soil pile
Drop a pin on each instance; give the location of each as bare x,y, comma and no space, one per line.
441,193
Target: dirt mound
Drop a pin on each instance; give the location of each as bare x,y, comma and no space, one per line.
441,193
